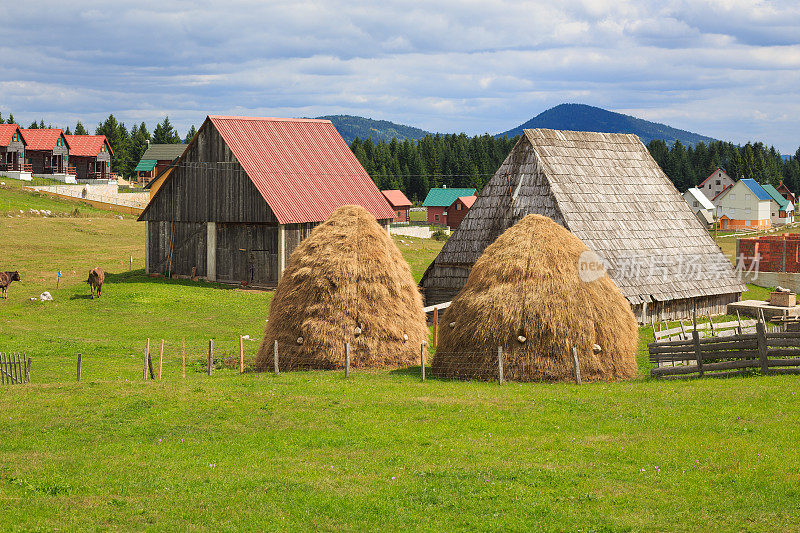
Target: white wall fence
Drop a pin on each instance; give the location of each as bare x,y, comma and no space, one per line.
107,193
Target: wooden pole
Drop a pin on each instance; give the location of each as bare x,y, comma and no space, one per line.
2,369
277,370
500,365
210,356
710,323
183,357
160,359
435,325
576,365
241,355
144,368
739,320
80,358
28,371
150,365
347,359
761,335
422,360
698,354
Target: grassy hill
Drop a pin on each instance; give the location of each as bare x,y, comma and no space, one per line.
580,117
313,451
351,127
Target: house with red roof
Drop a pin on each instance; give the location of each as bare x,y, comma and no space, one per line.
715,183
12,152
458,210
245,192
47,151
91,156
400,204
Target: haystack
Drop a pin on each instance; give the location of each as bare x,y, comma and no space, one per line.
527,295
346,283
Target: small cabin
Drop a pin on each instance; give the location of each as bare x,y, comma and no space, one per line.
12,151
91,156
155,160
47,151
458,210
438,201
400,204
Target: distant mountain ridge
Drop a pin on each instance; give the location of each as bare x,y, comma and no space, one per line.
582,117
350,127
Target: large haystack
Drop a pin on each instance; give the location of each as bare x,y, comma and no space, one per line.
347,282
525,294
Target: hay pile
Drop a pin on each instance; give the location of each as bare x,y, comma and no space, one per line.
525,294
347,282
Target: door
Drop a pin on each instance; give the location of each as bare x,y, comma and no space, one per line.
247,253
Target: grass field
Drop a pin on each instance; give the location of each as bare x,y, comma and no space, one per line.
310,450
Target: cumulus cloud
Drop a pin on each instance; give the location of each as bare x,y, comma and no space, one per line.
725,68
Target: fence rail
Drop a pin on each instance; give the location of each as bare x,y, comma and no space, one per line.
775,352
14,368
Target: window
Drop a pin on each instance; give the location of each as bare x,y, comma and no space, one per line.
399,214
695,203
458,207
733,196
747,212
746,222
782,214
719,182
436,218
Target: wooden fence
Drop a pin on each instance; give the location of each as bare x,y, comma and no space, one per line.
14,368
776,352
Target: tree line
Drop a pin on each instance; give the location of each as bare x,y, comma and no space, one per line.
128,145
456,160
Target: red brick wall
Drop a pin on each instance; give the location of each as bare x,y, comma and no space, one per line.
454,216
770,250
433,211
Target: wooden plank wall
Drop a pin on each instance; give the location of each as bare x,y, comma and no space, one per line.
188,249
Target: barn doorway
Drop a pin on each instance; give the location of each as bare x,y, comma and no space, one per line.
247,253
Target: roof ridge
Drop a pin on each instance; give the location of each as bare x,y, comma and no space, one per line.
269,119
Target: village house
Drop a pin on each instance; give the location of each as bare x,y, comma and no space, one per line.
715,183
438,201
12,153
246,191
400,204
458,210
91,156
744,205
156,159
702,207
609,192
781,210
47,151
786,193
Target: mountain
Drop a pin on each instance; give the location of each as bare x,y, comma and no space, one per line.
581,117
351,127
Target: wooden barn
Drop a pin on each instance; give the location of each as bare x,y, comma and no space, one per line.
156,159
91,156
244,194
607,190
400,204
47,151
12,148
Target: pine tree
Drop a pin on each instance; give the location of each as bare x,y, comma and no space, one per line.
41,124
11,119
67,132
1,119
34,126
80,129
119,140
190,135
164,133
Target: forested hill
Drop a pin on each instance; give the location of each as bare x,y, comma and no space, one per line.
581,117
351,127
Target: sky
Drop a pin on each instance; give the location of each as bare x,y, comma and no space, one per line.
726,69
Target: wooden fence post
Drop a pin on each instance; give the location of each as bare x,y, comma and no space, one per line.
576,365
241,355
347,359
183,356
160,359
277,368
2,369
422,360
698,354
761,335
210,356
435,325
500,365
80,358
146,353
28,371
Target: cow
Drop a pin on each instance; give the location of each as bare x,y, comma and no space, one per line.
95,281
5,280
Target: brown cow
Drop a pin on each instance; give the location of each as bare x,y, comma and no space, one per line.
5,280
95,281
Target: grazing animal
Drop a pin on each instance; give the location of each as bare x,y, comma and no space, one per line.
95,281
5,280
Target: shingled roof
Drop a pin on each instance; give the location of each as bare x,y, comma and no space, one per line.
7,132
87,145
607,190
37,139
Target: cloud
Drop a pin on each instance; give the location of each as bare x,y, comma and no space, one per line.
728,68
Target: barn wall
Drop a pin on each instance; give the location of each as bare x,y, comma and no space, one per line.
247,253
188,242
295,233
684,308
209,185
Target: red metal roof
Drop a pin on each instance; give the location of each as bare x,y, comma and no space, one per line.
41,139
7,132
396,198
467,200
86,145
302,167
